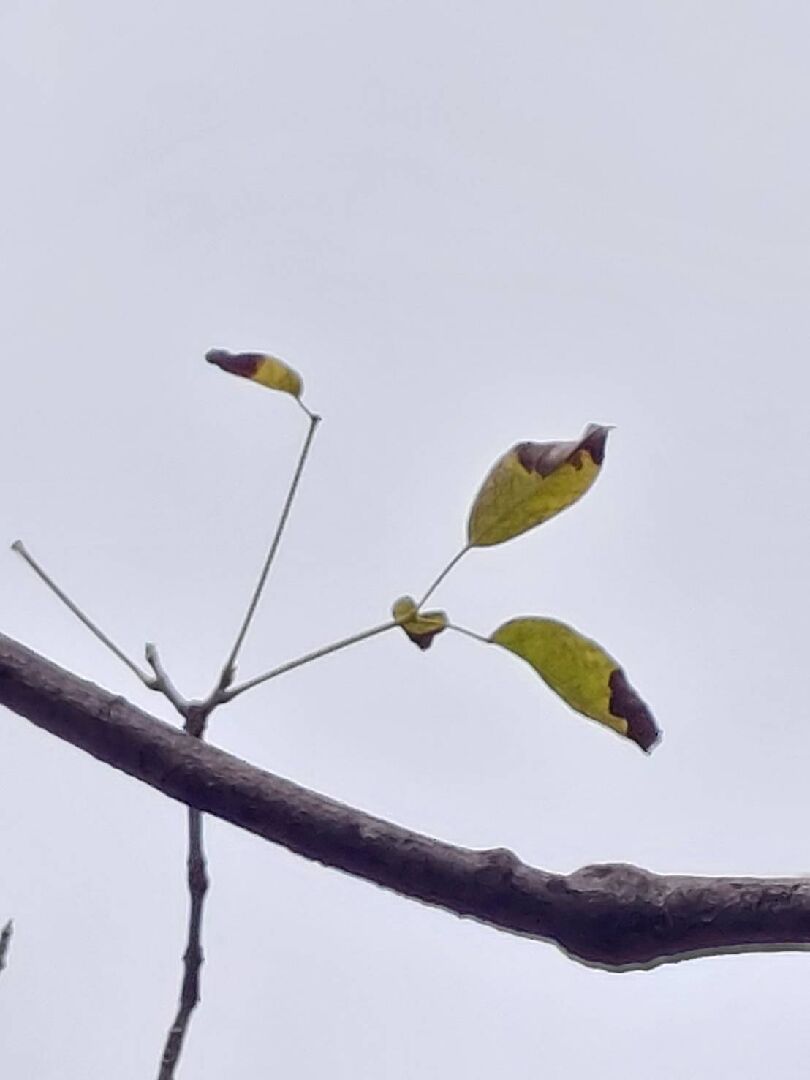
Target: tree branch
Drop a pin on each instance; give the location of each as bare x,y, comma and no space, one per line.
613,916
5,941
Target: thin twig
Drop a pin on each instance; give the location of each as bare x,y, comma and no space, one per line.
5,941
197,877
456,558
162,683
20,548
234,691
230,664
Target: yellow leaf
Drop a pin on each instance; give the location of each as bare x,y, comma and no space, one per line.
260,367
421,627
582,673
533,482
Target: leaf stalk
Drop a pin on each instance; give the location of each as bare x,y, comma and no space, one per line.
434,586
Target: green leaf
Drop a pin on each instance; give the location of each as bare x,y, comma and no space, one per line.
260,367
421,627
531,483
582,673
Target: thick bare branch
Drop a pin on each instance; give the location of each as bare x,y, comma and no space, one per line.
613,916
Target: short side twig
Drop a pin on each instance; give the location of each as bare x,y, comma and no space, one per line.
193,956
5,941
21,549
230,664
162,683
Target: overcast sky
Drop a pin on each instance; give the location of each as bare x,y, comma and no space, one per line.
466,224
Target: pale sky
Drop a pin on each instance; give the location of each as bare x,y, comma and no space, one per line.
466,225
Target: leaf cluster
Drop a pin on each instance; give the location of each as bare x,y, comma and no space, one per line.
530,484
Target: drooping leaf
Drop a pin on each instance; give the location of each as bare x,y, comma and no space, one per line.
531,483
260,367
582,673
421,627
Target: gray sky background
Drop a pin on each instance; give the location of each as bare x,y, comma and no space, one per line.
466,224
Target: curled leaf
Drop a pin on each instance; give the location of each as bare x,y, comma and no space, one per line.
421,627
531,483
260,367
582,673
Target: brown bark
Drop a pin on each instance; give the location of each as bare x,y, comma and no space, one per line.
613,916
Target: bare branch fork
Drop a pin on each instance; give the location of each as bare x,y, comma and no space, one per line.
613,916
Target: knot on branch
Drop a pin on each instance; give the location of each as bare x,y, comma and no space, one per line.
497,867
622,882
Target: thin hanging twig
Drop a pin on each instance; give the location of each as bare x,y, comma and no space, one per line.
197,876
5,941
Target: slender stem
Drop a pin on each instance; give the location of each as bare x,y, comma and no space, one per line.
5,941
230,663
228,695
456,559
20,548
469,633
197,877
